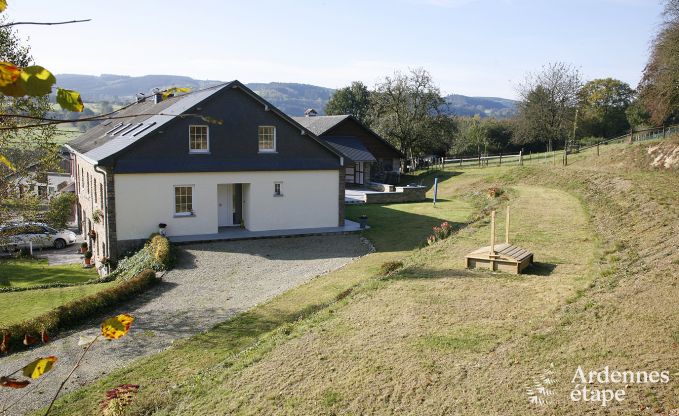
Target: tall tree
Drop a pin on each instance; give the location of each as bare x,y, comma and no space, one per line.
472,136
354,100
406,105
659,86
548,102
30,151
603,103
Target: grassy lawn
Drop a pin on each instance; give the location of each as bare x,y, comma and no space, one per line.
30,303
26,273
435,338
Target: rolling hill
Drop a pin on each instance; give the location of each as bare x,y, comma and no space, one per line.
291,98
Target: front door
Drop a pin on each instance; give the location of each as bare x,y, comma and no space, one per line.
225,208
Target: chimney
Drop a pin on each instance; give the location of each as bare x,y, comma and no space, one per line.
157,96
310,113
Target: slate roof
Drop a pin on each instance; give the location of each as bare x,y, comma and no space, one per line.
145,117
351,148
318,125
142,118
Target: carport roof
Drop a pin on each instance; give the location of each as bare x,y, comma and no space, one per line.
350,147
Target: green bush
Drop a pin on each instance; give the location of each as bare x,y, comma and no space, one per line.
390,267
157,254
80,310
60,210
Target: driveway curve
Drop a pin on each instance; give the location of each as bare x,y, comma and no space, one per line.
211,283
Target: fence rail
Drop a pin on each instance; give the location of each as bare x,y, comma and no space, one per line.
485,160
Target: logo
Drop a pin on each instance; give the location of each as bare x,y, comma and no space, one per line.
540,392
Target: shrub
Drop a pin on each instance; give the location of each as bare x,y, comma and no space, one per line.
60,210
440,233
494,192
157,254
390,267
161,249
79,310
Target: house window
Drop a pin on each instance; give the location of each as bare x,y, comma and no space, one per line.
101,193
183,200
199,139
95,191
267,138
277,189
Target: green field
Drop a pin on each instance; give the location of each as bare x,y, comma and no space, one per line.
434,338
30,303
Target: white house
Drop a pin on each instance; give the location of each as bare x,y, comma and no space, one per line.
201,163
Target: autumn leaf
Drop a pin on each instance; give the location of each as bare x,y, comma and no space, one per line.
13,383
7,163
44,336
9,73
4,346
116,327
39,367
174,90
3,5
29,340
38,80
70,100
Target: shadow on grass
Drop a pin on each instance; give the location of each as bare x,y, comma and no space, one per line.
426,178
540,269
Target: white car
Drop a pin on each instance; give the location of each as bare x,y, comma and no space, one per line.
19,236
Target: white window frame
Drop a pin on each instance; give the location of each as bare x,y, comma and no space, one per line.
207,130
280,189
191,213
274,140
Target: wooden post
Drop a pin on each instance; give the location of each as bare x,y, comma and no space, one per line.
479,159
500,158
507,227
597,148
492,233
521,157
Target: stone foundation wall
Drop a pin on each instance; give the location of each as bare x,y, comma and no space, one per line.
402,194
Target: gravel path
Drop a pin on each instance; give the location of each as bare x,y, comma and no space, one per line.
211,283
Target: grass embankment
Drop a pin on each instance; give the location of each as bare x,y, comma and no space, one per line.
433,338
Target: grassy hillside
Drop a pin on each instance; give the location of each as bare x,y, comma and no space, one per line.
434,338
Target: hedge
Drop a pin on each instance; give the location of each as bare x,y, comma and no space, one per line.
79,310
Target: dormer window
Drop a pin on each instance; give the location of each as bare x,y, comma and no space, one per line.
199,139
267,139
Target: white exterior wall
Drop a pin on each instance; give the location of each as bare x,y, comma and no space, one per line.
310,199
89,202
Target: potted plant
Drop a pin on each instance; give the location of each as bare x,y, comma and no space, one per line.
363,220
92,234
88,259
161,228
83,248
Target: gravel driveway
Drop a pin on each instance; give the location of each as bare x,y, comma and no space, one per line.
211,283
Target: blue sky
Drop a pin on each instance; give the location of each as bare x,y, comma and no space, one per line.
471,47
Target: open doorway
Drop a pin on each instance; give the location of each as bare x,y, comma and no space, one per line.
230,204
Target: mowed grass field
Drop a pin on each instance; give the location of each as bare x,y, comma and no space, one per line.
22,305
435,339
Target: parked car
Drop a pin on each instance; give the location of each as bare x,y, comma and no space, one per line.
17,236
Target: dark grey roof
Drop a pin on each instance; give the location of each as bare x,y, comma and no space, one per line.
351,148
137,120
320,124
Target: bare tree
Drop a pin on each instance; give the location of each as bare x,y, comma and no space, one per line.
548,102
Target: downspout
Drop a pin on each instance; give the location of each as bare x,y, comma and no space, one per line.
108,234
